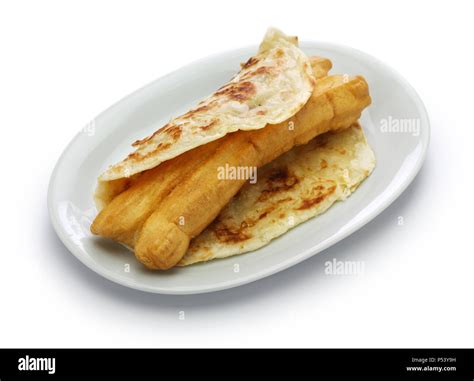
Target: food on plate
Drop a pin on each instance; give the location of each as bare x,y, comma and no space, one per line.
299,185
270,88
124,212
191,206
162,199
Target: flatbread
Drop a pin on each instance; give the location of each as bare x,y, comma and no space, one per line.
297,186
271,87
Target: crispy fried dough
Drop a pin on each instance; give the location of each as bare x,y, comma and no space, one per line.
128,211
300,184
336,103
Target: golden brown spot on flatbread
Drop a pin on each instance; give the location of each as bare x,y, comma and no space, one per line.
133,155
208,126
261,112
251,61
259,71
159,147
200,109
324,164
144,140
278,181
239,91
308,203
279,53
228,235
171,129
163,146
233,234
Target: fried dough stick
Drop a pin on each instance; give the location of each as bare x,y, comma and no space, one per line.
336,103
127,212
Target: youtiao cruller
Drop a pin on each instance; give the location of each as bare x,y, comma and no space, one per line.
159,209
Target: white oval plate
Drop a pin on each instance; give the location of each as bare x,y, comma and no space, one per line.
107,140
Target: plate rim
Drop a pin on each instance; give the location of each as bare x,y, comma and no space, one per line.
280,266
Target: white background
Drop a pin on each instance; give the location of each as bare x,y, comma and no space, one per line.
61,63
